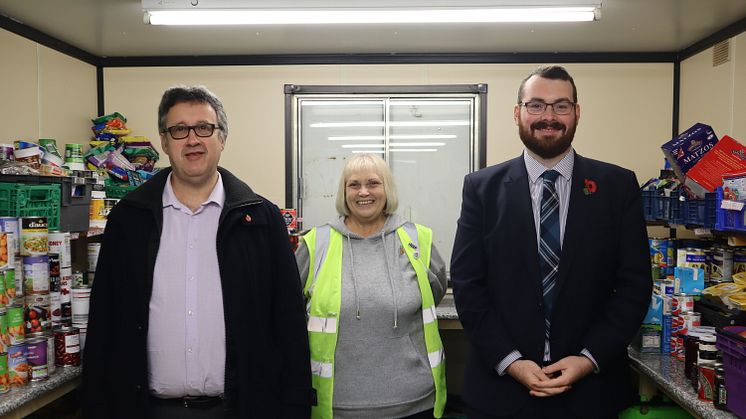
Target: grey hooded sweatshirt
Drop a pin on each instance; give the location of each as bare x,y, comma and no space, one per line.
381,365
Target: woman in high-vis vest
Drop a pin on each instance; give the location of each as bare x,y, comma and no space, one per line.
371,282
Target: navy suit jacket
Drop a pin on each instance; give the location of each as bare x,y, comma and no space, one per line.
604,284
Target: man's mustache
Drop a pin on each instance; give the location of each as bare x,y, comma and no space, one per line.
545,124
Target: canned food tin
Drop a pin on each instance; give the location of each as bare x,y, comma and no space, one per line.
38,314
59,242
682,303
739,261
4,338
4,379
80,304
55,308
67,346
16,325
78,280
35,274
93,250
18,278
36,348
54,271
50,353
6,250
12,225
721,265
18,368
658,251
9,285
706,389
34,236
96,216
694,258
691,319
83,330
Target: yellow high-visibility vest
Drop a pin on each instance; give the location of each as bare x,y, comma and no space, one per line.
323,292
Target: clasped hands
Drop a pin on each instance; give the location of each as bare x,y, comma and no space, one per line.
553,379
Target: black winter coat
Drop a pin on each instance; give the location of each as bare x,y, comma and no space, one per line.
267,372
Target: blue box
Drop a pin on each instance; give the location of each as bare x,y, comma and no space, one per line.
685,150
688,280
654,315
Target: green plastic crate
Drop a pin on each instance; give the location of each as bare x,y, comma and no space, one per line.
23,200
118,190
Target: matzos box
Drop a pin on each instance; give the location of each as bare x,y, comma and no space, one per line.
684,151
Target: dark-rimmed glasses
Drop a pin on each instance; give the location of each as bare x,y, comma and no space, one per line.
179,132
535,107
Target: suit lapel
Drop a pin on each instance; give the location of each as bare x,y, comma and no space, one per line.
579,210
521,219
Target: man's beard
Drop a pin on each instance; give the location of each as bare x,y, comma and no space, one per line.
544,147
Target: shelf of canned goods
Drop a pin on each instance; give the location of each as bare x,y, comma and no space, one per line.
667,374
22,401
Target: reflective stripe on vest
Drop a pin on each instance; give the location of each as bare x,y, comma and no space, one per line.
323,293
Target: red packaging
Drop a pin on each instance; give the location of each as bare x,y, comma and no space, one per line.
727,155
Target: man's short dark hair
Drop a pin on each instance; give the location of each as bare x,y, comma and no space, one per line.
192,94
553,72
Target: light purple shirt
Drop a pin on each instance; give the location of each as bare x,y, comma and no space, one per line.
186,335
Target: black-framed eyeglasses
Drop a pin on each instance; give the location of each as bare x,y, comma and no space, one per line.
179,132
535,107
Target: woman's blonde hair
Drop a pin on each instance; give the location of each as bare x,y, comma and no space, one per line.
359,163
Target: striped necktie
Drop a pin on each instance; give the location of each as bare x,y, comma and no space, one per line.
550,245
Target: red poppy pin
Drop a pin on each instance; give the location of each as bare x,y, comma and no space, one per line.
590,186
247,218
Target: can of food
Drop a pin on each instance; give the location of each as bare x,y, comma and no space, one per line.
74,156
36,349
54,267
4,379
83,330
59,242
6,250
67,346
55,308
66,279
12,225
93,250
80,304
739,261
18,368
721,267
706,376
35,274
16,325
51,367
8,278
34,236
18,278
78,280
4,338
96,215
694,258
38,313
682,303
658,250
691,319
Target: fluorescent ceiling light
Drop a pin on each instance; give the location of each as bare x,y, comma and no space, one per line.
236,12
393,137
451,123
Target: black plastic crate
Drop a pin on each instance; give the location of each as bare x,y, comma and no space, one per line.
75,197
648,202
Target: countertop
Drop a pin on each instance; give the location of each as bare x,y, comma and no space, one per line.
19,402
668,375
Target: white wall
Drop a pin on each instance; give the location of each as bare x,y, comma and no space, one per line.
45,94
716,95
626,108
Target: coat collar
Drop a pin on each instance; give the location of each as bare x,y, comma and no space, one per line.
150,194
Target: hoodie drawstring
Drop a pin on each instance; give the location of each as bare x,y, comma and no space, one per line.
354,278
388,271
391,281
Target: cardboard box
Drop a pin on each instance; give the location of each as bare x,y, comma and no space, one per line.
684,151
727,155
689,280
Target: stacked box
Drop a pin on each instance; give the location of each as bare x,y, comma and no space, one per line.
684,151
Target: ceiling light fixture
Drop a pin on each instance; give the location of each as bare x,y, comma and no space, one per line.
258,12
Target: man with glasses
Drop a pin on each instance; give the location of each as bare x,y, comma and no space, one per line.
196,310
550,270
